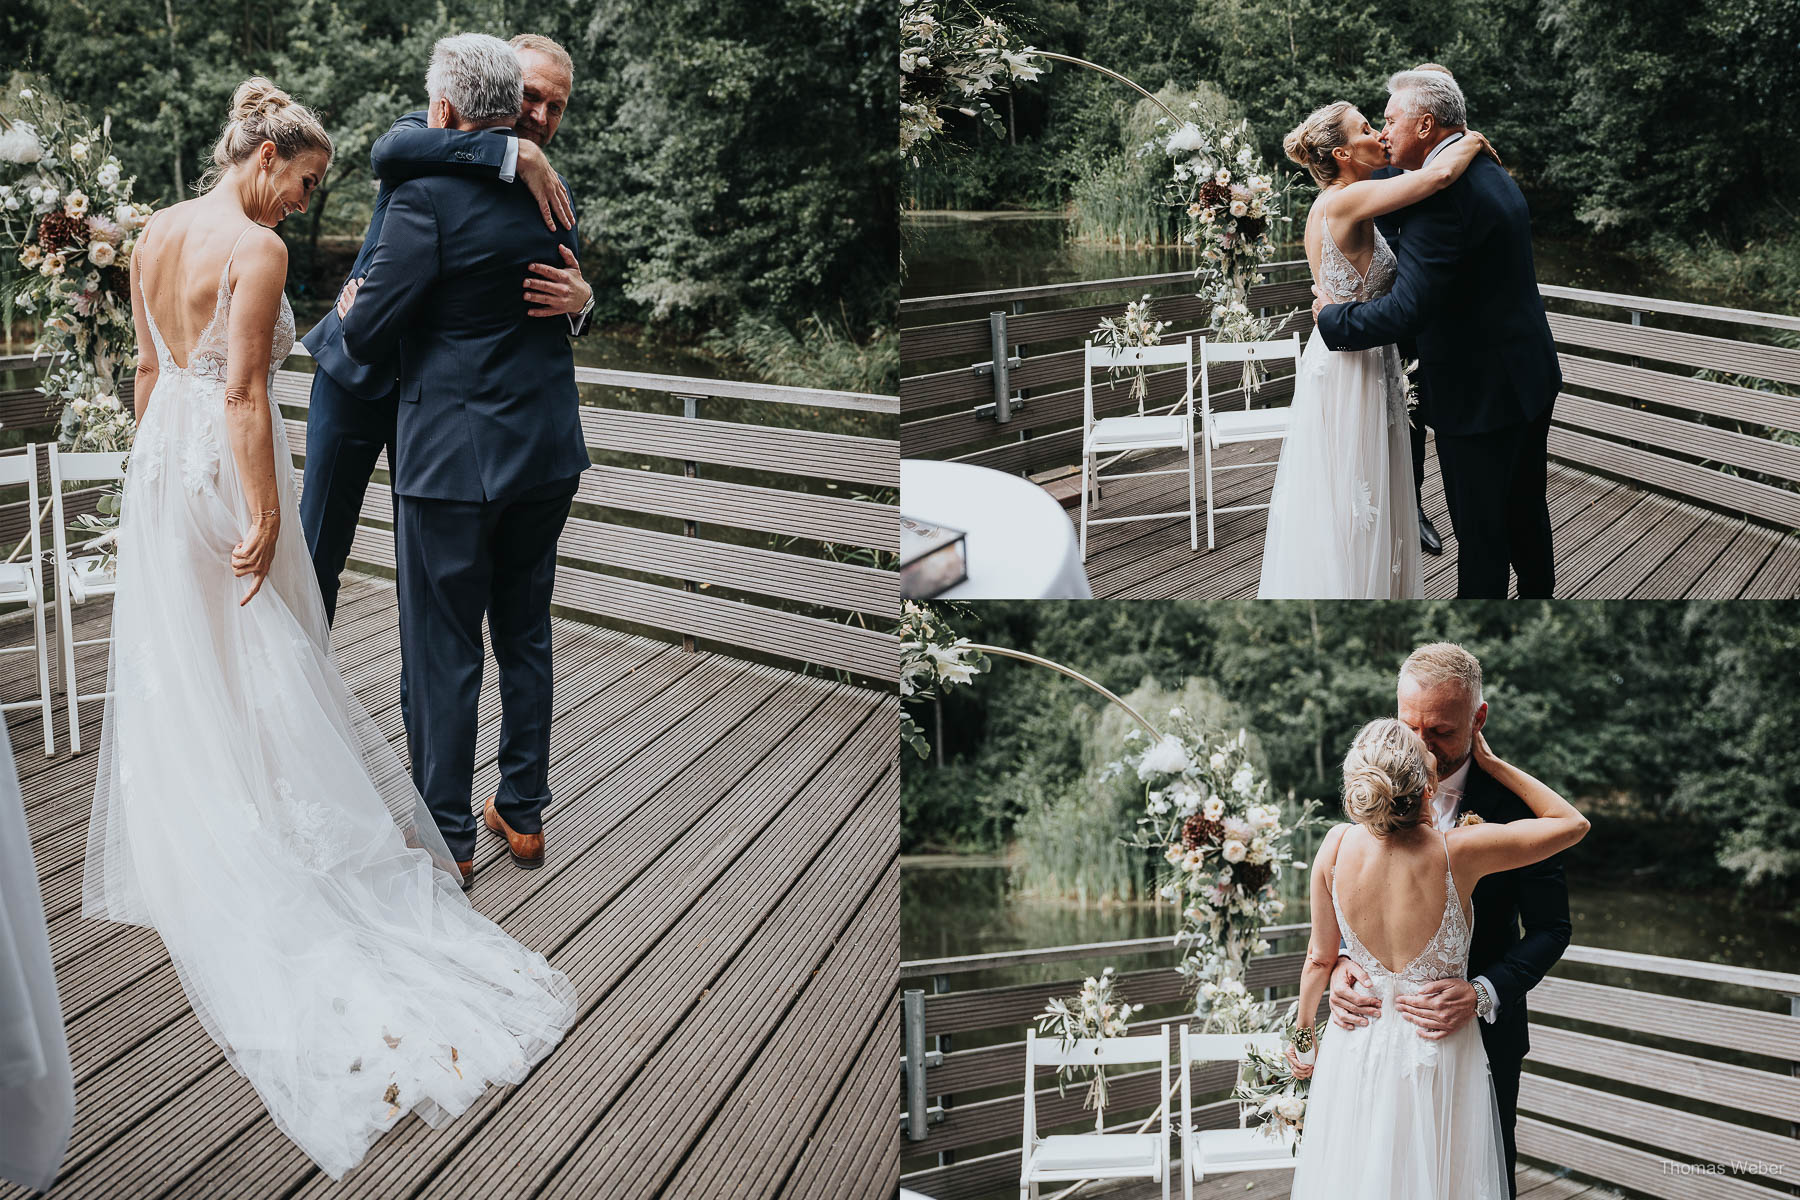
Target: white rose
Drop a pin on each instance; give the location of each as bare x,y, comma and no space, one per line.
102,254
109,176
1185,796
1213,808
1239,208
1234,851
1166,757
107,401
1292,1108
79,151
76,204
1242,782
1223,177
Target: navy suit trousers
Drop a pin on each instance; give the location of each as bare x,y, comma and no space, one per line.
458,561
344,436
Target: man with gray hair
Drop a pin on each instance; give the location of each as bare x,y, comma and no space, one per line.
488,454
1439,698
1466,290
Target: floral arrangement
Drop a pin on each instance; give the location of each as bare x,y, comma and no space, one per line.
954,64
931,656
1225,845
1138,327
1098,1012
1268,1084
67,219
1232,204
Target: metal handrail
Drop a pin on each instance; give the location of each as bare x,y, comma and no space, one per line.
1046,290
1751,977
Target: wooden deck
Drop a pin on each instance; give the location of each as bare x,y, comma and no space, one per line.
1274,1185
1613,540
722,888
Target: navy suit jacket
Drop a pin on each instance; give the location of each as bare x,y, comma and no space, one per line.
1467,292
488,407
1537,896
410,150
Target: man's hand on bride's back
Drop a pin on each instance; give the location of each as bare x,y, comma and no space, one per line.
1351,1008
1439,1008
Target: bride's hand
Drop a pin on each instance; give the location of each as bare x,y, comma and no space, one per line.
1485,758
1483,146
256,553
540,178
1301,1070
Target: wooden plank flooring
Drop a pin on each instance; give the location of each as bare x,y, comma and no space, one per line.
722,889
1613,540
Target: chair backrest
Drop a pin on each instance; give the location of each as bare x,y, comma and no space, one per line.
85,466
21,468
1218,1047
1105,358
1212,352
1088,1052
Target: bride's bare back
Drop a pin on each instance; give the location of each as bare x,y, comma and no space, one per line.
1391,890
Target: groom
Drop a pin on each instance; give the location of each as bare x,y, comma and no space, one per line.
1440,700
489,452
1488,375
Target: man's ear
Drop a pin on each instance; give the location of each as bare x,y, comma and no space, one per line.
1480,719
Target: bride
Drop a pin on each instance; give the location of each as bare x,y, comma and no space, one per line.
247,807
1396,1113
1342,522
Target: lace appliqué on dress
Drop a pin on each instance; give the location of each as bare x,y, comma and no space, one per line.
200,459
1363,509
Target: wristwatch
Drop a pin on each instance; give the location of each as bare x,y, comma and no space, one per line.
1484,1003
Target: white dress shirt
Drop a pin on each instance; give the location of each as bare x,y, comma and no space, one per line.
1449,794
1455,137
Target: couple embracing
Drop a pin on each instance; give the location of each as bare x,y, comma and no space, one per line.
1417,907
1418,238
309,891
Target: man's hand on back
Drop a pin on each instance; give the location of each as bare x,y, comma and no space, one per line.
557,291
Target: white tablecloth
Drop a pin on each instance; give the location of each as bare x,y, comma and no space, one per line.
1021,544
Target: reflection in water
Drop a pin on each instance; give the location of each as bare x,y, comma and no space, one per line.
949,908
950,252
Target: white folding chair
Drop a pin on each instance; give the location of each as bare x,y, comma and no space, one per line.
1226,426
23,583
1097,1155
1219,1151
78,579
1119,436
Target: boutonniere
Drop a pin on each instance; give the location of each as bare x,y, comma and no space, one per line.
1469,818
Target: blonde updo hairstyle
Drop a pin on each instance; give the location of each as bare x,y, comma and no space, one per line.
1386,777
1311,142
262,112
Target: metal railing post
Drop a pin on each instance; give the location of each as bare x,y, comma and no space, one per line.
913,1043
1000,367
690,409
1794,1068
939,985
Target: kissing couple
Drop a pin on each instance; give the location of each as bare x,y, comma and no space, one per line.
1420,246
1417,908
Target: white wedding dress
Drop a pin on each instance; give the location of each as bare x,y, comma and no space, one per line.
1343,523
249,809
1395,1116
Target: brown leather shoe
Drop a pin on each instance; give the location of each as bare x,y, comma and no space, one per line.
527,848
467,868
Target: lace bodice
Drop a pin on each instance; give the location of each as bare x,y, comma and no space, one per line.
1343,281
1445,956
206,360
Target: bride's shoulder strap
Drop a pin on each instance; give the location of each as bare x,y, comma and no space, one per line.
225,274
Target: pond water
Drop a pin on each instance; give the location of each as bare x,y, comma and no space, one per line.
952,906
949,252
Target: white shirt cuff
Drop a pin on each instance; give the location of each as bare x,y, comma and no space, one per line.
576,318
1493,1008
509,165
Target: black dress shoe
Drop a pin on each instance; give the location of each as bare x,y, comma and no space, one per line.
1428,537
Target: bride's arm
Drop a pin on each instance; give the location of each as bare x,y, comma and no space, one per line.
1322,950
1377,197
147,366
412,149
1554,825
261,271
